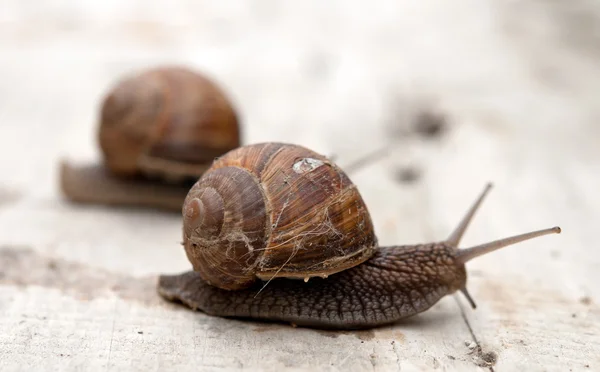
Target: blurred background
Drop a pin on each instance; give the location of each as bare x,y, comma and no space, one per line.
515,85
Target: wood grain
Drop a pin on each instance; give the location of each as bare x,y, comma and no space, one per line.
515,83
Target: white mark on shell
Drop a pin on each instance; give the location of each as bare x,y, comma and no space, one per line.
306,165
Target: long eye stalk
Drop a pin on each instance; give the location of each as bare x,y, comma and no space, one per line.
465,255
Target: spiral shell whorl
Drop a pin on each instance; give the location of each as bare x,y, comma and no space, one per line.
280,210
224,227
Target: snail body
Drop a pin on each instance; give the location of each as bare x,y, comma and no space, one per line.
159,130
381,290
249,258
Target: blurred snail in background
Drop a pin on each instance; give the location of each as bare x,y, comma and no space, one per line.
159,131
277,232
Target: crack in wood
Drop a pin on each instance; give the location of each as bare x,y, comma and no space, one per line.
482,359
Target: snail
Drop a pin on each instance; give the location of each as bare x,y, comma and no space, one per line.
159,130
277,232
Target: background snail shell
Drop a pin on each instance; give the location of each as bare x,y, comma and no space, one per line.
274,210
158,131
169,120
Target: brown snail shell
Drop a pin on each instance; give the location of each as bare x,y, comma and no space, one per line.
274,210
158,131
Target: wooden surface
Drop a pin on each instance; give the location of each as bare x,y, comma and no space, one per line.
517,84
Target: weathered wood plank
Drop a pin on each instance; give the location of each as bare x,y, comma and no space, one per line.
517,84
